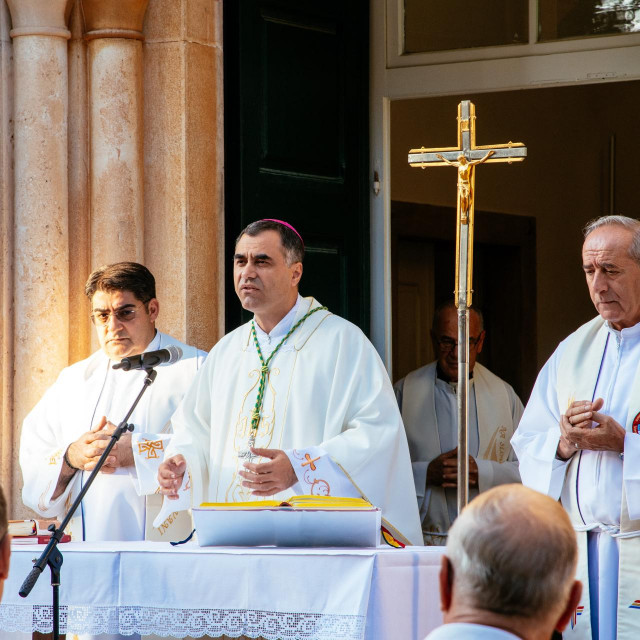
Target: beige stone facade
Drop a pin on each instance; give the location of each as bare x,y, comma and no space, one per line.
110,149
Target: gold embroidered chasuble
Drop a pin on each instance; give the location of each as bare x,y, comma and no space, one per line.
326,388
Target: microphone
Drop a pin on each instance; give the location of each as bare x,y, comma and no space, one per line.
150,359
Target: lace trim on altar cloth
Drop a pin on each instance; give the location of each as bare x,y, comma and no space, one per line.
178,623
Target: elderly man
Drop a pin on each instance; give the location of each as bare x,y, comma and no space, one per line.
429,404
295,401
5,543
578,439
66,433
508,572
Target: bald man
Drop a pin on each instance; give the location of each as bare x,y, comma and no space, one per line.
509,569
429,404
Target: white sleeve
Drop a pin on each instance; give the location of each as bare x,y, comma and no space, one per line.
148,453
535,442
191,430
318,474
41,455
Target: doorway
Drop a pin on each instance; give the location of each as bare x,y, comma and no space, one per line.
423,249
527,273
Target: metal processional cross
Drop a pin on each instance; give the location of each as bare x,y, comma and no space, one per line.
465,157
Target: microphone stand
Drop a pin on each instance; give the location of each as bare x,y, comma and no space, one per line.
51,555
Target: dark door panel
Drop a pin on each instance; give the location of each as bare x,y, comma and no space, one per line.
296,139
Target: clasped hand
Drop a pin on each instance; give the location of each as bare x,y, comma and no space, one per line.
584,427
85,452
443,470
264,478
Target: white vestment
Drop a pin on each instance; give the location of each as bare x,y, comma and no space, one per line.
429,413
327,394
113,508
599,489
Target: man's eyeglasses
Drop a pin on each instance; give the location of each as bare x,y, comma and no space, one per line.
449,344
100,318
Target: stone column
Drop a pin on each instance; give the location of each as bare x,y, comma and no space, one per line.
184,154
79,206
41,248
7,432
114,47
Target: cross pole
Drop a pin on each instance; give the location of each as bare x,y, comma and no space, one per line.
465,157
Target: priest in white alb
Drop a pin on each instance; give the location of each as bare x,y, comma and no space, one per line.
578,438
295,401
65,434
428,401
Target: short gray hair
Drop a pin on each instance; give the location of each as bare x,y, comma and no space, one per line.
451,304
513,552
631,224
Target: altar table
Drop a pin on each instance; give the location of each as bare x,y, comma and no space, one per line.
293,594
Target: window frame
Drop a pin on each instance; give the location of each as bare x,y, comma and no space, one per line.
397,59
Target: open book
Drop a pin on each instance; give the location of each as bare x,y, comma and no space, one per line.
297,502
301,521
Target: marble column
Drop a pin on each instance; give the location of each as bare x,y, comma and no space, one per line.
114,52
40,250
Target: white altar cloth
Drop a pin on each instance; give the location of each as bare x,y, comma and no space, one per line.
153,588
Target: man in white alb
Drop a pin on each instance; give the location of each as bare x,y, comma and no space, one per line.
65,434
295,401
578,438
429,404
508,572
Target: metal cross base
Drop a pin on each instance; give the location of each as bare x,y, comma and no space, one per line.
247,454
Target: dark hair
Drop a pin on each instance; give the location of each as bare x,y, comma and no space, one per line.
291,242
122,276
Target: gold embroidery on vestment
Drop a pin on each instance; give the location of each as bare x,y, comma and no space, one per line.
497,449
264,434
151,447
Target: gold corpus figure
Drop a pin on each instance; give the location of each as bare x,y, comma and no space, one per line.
465,169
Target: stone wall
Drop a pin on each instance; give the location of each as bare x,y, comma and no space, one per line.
111,133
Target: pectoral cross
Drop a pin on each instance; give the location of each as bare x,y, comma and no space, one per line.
247,454
465,157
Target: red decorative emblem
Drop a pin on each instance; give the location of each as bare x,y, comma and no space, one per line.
574,618
636,423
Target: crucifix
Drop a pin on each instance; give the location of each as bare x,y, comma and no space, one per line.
465,157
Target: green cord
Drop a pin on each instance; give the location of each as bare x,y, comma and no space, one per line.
264,370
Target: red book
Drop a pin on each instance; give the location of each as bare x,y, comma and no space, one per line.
39,539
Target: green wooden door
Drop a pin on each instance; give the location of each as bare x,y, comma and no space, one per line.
296,139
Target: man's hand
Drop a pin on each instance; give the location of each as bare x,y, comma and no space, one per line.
85,452
579,432
122,451
268,478
170,475
443,470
